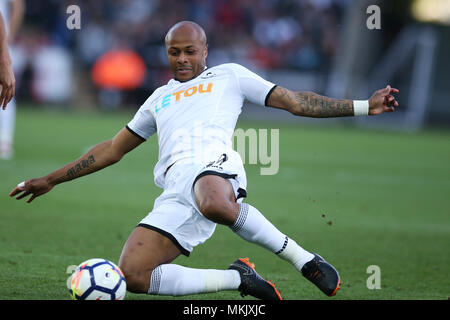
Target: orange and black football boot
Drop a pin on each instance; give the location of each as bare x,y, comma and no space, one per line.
322,274
252,283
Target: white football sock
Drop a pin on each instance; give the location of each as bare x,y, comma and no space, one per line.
252,226
295,254
176,280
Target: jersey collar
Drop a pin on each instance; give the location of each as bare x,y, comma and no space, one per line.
178,81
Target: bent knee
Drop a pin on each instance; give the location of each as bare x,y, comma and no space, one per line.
219,210
137,280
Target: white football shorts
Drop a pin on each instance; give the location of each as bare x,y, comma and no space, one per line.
175,213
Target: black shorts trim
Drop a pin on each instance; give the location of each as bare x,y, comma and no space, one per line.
241,192
214,173
167,235
268,95
134,133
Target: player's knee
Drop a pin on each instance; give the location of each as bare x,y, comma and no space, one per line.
218,209
138,281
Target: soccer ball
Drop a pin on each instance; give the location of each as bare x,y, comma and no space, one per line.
97,279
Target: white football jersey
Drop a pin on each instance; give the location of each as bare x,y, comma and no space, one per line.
195,120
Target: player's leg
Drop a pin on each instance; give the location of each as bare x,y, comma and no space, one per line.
145,250
7,123
215,198
145,262
174,227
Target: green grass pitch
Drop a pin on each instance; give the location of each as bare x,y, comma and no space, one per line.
356,197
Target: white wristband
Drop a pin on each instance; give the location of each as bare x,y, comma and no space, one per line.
361,107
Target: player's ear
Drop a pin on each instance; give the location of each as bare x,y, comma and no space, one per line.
205,52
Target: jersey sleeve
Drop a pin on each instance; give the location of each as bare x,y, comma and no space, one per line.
143,124
253,87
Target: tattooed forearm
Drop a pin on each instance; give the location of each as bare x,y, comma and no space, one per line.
97,158
309,104
314,105
80,166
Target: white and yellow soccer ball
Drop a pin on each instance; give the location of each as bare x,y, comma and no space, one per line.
97,279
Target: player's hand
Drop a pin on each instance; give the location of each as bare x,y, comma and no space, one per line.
35,187
383,101
7,84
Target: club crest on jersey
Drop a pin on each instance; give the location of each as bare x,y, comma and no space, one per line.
179,95
209,74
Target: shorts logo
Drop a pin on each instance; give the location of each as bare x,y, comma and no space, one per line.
183,93
218,162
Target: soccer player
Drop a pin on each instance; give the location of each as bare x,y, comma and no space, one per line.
203,178
11,14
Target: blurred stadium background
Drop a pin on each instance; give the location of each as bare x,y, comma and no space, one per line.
363,197
318,45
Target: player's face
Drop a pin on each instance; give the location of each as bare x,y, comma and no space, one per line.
187,56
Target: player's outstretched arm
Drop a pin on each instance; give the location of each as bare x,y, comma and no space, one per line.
310,104
98,157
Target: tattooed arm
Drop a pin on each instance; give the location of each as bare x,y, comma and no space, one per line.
98,157
310,104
